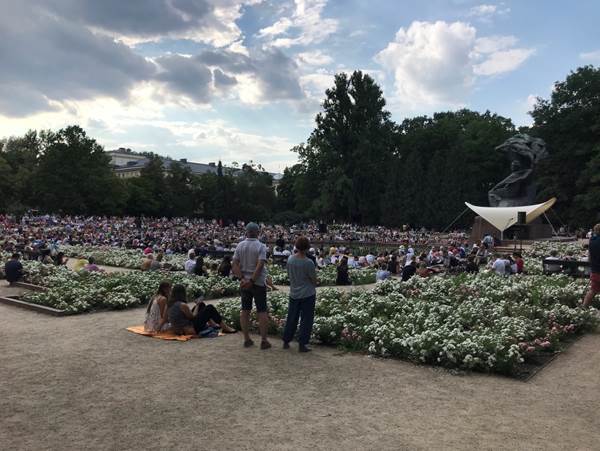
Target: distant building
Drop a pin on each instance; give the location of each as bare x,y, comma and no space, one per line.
128,164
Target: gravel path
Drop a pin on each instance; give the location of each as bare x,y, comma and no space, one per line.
84,382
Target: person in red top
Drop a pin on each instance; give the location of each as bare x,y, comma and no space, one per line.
519,262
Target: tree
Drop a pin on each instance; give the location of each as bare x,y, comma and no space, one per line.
179,198
74,175
147,194
21,155
569,122
254,193
350,146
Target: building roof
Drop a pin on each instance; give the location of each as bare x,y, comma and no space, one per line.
196,168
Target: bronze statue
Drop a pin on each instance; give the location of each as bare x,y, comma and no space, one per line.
518,188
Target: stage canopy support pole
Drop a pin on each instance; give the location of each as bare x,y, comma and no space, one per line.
553,229
457,218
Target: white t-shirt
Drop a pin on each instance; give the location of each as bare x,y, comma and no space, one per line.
499,266
248,253
189,266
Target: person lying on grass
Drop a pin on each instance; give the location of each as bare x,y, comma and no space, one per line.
200,321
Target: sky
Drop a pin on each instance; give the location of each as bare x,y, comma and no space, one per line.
242,80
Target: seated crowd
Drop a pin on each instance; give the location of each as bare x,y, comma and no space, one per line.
30,234
168,310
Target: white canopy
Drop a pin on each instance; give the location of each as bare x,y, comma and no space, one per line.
504,217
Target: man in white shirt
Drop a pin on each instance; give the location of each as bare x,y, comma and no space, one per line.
499,266
190,263
249,261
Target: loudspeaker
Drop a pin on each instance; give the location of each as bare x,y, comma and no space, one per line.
521,218
322,228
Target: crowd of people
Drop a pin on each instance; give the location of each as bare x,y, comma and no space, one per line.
30,234
168,309
40,237
249,265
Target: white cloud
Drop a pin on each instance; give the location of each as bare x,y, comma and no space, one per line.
592,57
219,139
306,26
503,61
531,101
279,27
492,44
486,12
436,64
431,62
313,58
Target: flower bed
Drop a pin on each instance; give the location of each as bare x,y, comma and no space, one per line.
125,258
122,258
326,276
541,249
478,322
77,292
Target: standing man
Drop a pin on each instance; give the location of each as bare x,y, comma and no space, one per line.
594,258
249,261
303,281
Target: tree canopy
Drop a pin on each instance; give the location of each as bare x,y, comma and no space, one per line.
357,165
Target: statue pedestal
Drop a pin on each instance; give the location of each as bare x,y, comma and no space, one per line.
535,230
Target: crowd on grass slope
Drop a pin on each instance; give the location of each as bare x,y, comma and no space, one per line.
47,238
177,235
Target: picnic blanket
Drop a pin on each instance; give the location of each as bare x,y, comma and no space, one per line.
169,335
161,335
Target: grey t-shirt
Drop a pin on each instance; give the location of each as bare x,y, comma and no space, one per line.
301,272
248,253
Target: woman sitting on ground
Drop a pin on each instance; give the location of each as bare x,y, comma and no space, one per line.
192,322
156,313
199,267
225,266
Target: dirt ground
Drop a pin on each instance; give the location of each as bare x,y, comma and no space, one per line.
84,382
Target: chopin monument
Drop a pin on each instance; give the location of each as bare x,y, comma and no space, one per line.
515,194
519,187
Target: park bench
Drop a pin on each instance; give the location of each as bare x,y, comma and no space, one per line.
574,268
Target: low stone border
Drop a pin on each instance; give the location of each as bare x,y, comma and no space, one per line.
30,286
29,306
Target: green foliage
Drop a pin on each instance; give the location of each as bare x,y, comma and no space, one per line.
347,154
359,166
18,162
569,122
73,175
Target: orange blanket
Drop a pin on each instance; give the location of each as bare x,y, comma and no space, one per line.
162,335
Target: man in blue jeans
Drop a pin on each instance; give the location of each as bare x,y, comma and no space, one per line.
303,282
248,265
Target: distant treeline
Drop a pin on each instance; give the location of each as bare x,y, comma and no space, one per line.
357,165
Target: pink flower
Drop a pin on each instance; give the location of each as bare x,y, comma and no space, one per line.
545,344
530,349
